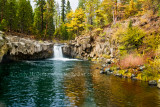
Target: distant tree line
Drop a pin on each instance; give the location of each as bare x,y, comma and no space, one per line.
50,20
18,16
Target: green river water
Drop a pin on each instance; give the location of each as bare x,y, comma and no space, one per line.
70,83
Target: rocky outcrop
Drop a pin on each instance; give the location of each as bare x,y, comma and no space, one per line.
27,49
86,47
18,48
3,46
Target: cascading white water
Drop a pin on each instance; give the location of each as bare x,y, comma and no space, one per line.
58,51
58,54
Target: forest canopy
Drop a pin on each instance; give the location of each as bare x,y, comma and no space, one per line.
52,20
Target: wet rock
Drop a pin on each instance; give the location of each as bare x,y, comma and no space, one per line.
158,84
102,72
119,75
152,82
134,78
141,68
108,61
133,75
107,69
102,68
109,73
124,76
103,65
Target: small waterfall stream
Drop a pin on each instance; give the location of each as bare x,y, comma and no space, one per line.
58,51
58,54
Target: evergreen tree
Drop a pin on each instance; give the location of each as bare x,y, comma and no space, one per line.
30,16
12,18
37,21
68,8
25,16
49,13
81,4
57,16
3,9
63,11
40,9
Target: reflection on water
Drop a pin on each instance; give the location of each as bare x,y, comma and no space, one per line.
50,83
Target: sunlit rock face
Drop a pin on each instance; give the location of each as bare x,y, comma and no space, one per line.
17,48
3,46
86,47
27,49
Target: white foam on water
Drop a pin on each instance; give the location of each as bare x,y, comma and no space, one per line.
58,55
64,59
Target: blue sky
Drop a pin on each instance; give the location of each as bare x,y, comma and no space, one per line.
74,3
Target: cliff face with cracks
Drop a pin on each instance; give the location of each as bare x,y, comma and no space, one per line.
3,46
87,47
25,49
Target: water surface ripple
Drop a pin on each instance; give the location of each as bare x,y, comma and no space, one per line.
70,83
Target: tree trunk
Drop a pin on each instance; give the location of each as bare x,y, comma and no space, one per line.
41,18
115,12
46,30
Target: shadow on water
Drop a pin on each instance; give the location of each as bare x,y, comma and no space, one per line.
49,83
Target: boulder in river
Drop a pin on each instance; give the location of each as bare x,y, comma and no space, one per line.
119,75
152,83
158,84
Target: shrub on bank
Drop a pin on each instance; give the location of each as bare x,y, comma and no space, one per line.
153,68
131,61
132,38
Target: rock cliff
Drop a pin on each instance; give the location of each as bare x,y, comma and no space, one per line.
87,47
3,46
18,48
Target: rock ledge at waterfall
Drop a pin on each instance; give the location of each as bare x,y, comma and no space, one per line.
25,49
86,47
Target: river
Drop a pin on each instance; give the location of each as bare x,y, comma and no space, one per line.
64,82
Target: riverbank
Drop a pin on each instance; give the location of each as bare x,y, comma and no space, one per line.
129,48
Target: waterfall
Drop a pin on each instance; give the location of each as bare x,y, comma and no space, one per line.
58,51
58,55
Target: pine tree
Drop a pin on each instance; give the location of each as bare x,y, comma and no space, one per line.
81,4
25,16
12,18
49,13
37,21
3,9
57,16
68,8
40,9
29,16
4,15
63,11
